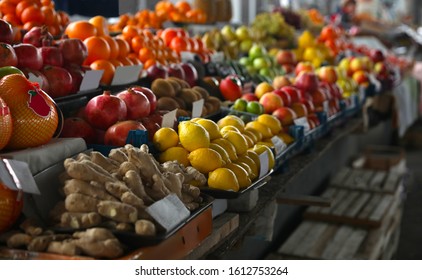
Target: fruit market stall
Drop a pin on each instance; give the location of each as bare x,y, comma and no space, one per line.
142,141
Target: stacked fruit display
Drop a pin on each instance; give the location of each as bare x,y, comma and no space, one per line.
227,152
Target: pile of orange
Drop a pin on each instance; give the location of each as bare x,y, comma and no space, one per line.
29,13
180,12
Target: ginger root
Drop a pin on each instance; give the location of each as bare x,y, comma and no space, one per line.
117,211
118,155
80,220
145,228
67,247
82,187
85,172
41,243
134,183
76,202
107,163
19,240
98,243
30,227
117,189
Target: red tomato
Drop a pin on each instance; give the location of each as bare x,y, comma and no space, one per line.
230,88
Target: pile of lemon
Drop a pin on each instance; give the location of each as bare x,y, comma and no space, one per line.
227,152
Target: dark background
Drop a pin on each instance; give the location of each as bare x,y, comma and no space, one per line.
107,8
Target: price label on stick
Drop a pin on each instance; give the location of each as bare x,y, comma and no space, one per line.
264,164
279,145
217,57
326,107
187,56
126,74
197,107
168,119
303,122
91,80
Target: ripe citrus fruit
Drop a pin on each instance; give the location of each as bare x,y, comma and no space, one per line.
164,138
209,126
100,24
232,120
205,160
249,140
175,153
193,136
223,179
256,133
262,128
251,135
252,165
271,121
109,70
229,128
228,146
259,149
254,156
287,138
80,29
241,175
98,48
238,141
223,153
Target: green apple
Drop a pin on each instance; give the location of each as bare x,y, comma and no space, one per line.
260,63
245,61
266,72
254,107
251,70
256,51
7,70
240,105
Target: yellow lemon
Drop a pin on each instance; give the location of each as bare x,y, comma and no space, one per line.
238,141
229,128
251,135
271,121
264,129
165,138
205,160
252,165
223,179
259,149
175,153
209,126
254,156
241,175
223,153
193,136
248,140
228,146
267,142
287,138
232,120
258,135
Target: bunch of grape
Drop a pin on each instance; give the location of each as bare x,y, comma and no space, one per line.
274,25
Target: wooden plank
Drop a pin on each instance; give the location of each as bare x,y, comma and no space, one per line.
295,238
377,180
365,181
345,204
340,237
352,244
370,206
357,205
381,209
340,195
296,199
306,244
323,240
340,177
328,193
391,182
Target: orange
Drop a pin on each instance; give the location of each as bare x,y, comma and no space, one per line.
134,58
12,19
28,25
116,62
80,29
179,44
49,15
182,6
97,49
136,43
124,47
167,35
149,63
7,7
54,29
100,24
32,13
125,60
22,5
130,31
144,54
108,68
114,46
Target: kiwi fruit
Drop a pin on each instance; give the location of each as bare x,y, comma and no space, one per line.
182,83
215,102
189,96
204,112
162,88
182,113
209,106
176,86
203,92
182,103
167,103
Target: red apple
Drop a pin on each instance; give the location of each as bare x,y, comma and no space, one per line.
285,115
376,55
288,68
176,70
300,109
285,57
318,97
309,105
105,110
380,68
77,127
249,97
293,92
157,71
116,134
270,101
314,118
136,102
150,95
303,66
287,100
191,75
357,64
307,81
280,81
361,77
328,74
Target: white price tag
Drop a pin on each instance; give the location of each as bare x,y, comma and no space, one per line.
264,164
279,145
35,79
352,99
326,107
197,107
361,93
126,74
303,121
168,119
217,57
91,80
187,56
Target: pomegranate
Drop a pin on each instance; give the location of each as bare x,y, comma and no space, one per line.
77,75
6,32
151,126
38,36
51,56
37,77
28,56
7,55
77,127
116,134
136,102
105,110
73,51
150,95
59,79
